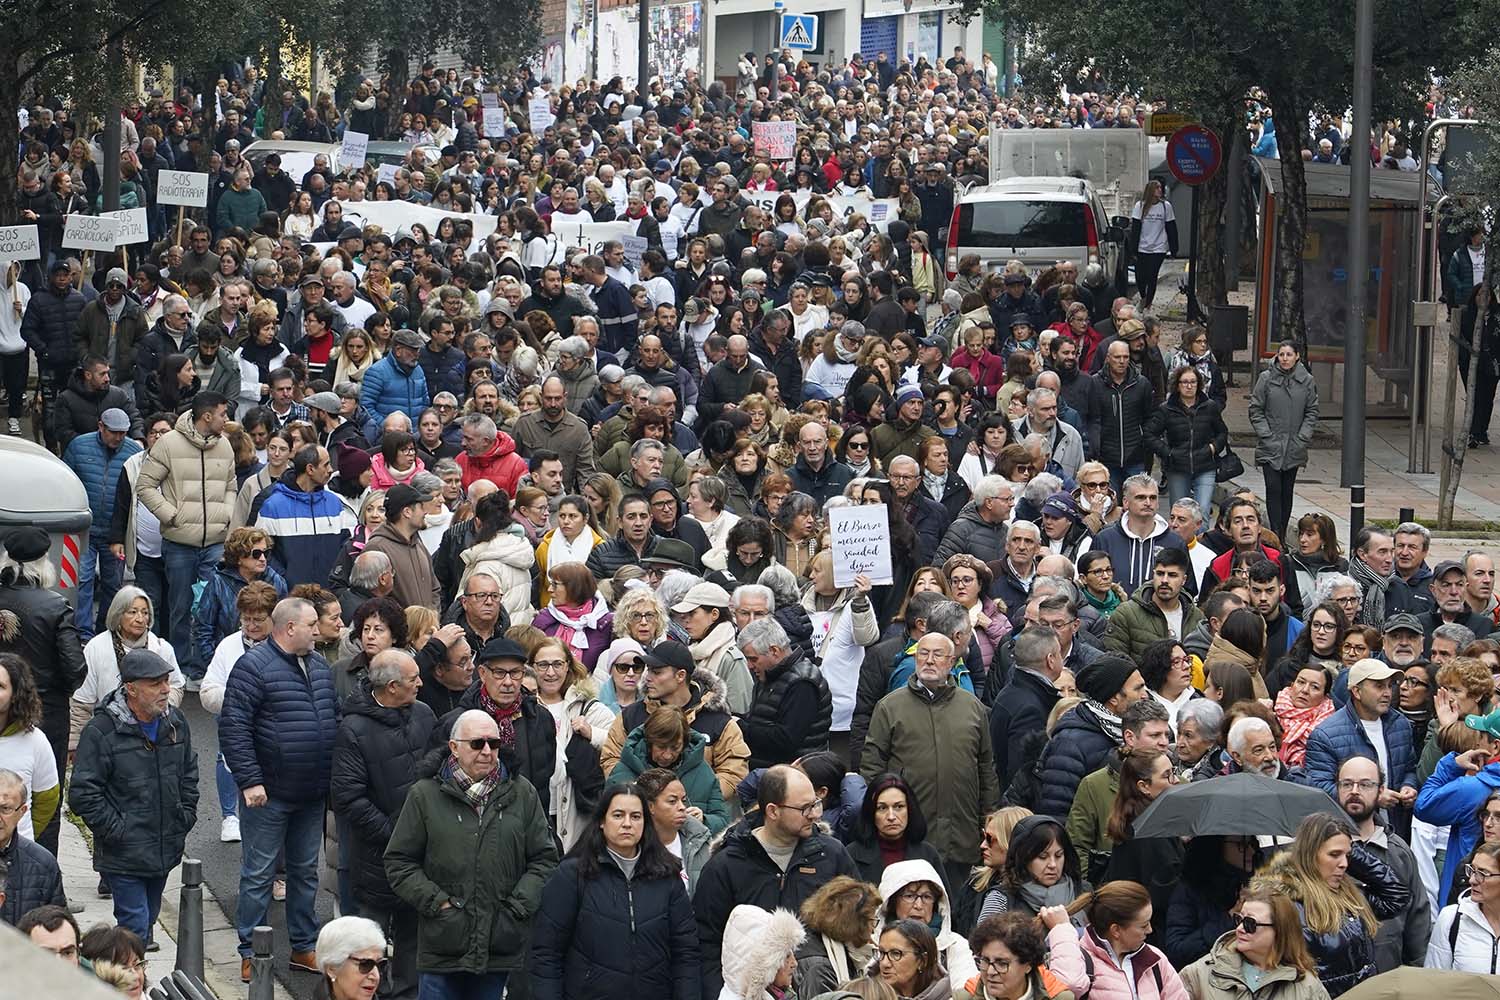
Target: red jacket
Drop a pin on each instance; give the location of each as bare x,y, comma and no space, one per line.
987,368
1223,562
500,465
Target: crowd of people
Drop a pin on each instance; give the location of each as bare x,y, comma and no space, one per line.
504,566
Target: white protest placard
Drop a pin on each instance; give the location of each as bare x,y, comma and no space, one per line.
182,187
91,232
489,99
778,140
879,213
494,123
634,247
767,200
627,125
861,538
132,226
393,215
386,173
540,113
591,236
19,243
669,245
352,153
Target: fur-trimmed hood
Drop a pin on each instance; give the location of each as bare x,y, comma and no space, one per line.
715,693
756,942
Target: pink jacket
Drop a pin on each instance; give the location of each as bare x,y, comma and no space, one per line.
381,478
1151,967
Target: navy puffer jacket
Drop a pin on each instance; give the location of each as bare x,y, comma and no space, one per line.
1078,748
99,469
278,724
605,938
48,325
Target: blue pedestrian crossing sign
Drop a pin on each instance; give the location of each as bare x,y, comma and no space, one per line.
799,31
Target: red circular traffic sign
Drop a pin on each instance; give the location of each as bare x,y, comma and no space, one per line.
1194,154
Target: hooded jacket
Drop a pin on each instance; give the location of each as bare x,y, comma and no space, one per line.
489,866
92,335
692,770
1155,979
509,557
310,529
972,534
49,323
187,481
1452,798
389,387
139,796
216,615
1284,413
500,465
939,741
1469,947
1138,622
77,410
953,950
1131,554
707,713
415,581
1220,975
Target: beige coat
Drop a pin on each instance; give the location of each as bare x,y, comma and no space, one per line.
188,482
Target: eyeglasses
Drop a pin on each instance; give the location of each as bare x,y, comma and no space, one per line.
1413,682
1323,626
514,674
482,598
893,956
918,896
643,616
549,666
902,477
480,742
1473,873
1350,785
1000,965
1250,925
810,810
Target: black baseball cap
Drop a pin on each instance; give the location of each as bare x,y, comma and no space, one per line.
668,653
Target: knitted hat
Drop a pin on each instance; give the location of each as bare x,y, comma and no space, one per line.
352,464
1105,677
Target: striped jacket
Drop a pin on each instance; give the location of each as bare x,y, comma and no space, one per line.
309,530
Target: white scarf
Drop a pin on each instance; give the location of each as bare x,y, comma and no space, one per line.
706,651
579,639
560,550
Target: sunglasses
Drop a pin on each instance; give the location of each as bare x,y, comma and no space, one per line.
369,965
259,553
1250,925
633,667
480,742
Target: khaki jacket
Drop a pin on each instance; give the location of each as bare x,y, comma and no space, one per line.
188,482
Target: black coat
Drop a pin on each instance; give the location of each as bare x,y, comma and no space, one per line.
605,560
44,637
534,757
48,326
375,759
1181,438
783,364
1021,707
1078,747
605,938
866,854
139,797
1127,407
33,879
78,409
742,873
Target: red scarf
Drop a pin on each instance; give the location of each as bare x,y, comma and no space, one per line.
505,717
1297,724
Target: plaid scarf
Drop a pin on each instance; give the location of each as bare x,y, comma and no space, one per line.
505,718
476,792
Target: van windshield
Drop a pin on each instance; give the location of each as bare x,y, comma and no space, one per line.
1021,224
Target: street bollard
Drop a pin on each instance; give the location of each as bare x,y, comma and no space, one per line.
181,986
262,978
190,919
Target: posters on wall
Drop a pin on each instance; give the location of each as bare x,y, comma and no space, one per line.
619,45
674,34
578,39
676,39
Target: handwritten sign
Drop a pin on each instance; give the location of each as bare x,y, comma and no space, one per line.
591,236
91,232
132,226
386,173
354,149
489,99
861,538
20,243
634,247
494,123
540,113
627,126
182,187
774,139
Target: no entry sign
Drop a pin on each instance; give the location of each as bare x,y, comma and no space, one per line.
1194,154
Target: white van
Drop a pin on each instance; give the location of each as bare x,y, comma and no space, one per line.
44,493
1036,220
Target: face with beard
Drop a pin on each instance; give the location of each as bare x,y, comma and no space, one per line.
1359,787
1064,355
1254,749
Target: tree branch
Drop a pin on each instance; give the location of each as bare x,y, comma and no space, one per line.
141,18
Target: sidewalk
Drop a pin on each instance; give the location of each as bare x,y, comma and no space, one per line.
221,960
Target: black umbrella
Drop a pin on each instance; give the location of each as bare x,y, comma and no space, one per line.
1244,804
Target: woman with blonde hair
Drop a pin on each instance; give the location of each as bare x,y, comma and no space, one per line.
993,845
603,493
1322,873
1265,949
565,689
353,357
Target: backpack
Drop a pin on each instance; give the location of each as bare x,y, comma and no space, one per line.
1088,969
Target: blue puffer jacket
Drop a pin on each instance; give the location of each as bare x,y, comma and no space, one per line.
1452,798
387,388
99,470
217,616
48,325
1341,736
309,529
1078,747
278,724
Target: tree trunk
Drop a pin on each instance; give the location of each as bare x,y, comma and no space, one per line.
271,101
1449,497
10,135
1291,233
1211,278
398,65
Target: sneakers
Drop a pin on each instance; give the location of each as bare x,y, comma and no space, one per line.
278,890
229,830
194,684
303,961
14,427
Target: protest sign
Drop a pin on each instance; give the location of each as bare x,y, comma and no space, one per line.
767,199
861,539
20,243
132,226
393,215
494,123
352,153
489,99
879,213
182,187
386,173
634,247
91,232
540,113
591,235
777,140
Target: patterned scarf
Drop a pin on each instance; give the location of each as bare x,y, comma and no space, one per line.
574,620
505,717
1297,724
1108,721
476,793
1372,607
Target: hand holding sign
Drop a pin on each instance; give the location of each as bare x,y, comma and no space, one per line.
861,543
352,153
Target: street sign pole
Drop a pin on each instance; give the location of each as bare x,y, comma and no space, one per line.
1353,471
1194,312
1194,156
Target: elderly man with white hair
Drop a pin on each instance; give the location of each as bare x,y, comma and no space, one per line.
1064,443
470,853
354,309
575,366
980,528
1252,747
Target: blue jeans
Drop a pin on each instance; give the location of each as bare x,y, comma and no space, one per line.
151,576
1200,487
96,589
265,831
1117,477
186,565
137,901
229,792
462,986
